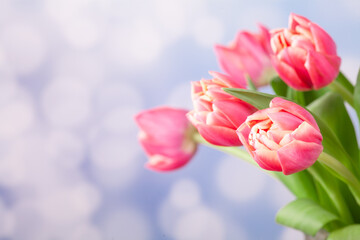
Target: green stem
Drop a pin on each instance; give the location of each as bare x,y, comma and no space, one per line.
343,173
331,188
234,151
335,86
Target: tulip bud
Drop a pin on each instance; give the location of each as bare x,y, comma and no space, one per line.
305,55
248,55
217,114
284,137
166,136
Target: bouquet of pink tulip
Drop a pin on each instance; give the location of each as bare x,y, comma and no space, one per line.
302,135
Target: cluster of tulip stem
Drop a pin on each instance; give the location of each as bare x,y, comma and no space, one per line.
292,135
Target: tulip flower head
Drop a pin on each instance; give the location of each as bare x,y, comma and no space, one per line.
166,136
217,114
284,137
248,56
305,55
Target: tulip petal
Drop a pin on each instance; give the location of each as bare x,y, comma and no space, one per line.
267,159
243,133
298,155
285,121
218,119
294,109
260,115
231,63
296,57
228,80
235,110
288,74
154,123
161,163
307,133
296,20
218,135
322,40
323,69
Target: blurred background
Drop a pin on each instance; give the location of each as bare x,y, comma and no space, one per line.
73,73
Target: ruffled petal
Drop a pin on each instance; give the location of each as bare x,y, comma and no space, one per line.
294,109
307,133
285,121
298,155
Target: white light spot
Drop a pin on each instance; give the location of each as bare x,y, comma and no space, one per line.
113,161
68,204
171,16
168,216
208,31
66,149
350,67
66,103
184,194
128,223
7,221
121,121
292,234
200,223
140,42
352,6
85,232
181,96
16,117
235,231
81,32
24,47
239,181
62,11
268,14
85,68
280,195
116,94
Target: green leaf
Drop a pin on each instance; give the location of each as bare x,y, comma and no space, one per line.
296,96
351,232
344,82
342,86
331,109
301,184
250,83
312,95
357,96
279,87
305,215
257,99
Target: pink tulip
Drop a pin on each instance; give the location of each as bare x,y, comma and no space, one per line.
248,55
284,137
217,114
166,136
305,55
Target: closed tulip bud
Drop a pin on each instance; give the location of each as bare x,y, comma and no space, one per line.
217,114
284,137
166,136
248,56
305,55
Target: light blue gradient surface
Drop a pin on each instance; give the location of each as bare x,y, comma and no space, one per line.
73,74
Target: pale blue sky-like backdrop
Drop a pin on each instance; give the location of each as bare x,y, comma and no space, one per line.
73,73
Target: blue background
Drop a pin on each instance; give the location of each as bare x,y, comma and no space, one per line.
73,73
